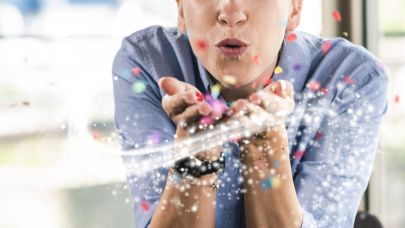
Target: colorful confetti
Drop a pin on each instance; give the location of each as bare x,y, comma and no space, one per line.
318,135
202,45
145,205
135,71
297,67
215,90
154,138
397,99
229,79
325,91
348,80
314,86
139,86
298,154
256,59
266,184
278,70
336,15
326,45
291,37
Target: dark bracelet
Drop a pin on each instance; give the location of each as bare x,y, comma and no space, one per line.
191,166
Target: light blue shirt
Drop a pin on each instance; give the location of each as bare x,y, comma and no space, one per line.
340,95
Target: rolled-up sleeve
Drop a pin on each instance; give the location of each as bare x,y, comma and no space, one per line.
140,121
334,172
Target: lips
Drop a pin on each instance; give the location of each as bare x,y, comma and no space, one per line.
232,47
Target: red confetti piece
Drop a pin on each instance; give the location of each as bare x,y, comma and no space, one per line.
348,80
336,15
291,37
135,71
199,96
314,86
298,154
325,91
96,134
326,45
202,45
145,206
397,99
256,59
26,103
267,82
318,135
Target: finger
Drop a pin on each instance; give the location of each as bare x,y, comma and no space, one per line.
171,85
192,114
175,104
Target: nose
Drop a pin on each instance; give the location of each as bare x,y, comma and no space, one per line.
232,14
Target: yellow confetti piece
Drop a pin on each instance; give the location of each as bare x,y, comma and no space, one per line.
229,79
215,90
276,182
278,70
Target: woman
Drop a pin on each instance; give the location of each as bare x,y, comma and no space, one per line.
309,169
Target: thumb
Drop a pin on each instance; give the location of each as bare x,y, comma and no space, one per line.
171,85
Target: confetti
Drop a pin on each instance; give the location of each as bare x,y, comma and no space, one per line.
297,67
397,99
336,15
215,90
298,154
318,135
346,34
325,91
266,184
229,79
291,37
145,206
256,59
278,70
326,45
202,45
139,86
267,82
348,80
154,138
314,86
206,121
199,96
135,71
97,135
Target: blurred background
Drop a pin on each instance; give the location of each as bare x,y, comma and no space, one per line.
59,164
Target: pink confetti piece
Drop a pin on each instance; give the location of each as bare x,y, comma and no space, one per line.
298,154
348,80
326,45
202,45
135,71
291,37
314,86
256,59
336,15
325,91
319,135
145,206
397,99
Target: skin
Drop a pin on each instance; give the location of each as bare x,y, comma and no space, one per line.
278,206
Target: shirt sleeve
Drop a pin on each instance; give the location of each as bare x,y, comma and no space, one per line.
140,121
335,169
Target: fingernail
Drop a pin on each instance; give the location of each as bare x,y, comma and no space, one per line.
199,96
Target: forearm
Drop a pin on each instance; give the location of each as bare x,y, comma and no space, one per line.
185,205
270,198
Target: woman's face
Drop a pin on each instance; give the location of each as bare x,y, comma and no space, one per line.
259,24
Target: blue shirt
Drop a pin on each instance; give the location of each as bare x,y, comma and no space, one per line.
340,95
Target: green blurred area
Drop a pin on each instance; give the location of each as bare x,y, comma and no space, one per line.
392,17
